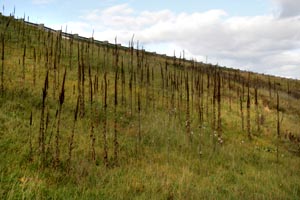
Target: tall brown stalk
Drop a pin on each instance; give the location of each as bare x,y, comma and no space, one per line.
41,138
2,63
139,136
57,136
188,120
257,109
278,128
23,66
116,144
92,134
242,112
71,140
34,67
2,56
105,148
248,109
219,121
30,138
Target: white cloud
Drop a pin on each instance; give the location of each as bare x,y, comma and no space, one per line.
265,44
288,8
122,16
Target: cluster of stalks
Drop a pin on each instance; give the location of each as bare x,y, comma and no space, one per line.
184,88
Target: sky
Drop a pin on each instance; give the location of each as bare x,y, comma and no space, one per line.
256,35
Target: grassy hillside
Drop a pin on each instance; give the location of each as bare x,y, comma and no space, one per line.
82,119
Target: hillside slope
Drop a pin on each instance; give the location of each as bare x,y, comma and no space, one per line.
82,119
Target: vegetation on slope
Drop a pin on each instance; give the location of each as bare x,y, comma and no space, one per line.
87,120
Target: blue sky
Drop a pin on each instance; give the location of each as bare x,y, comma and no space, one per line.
63,11
67,10
257,35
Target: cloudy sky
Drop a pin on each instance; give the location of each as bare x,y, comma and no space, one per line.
256,35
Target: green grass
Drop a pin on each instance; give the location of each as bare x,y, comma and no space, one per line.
164,164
